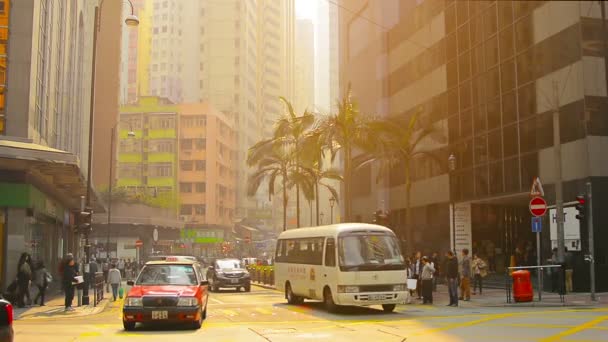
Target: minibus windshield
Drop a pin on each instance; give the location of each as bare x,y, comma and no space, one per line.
370,252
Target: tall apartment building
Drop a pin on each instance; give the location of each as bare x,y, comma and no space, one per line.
207,174
304,98
147,162
232,54
45,79
483,71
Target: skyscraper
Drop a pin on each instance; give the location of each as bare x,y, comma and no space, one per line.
483,72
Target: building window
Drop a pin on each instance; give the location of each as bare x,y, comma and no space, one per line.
201,187
161,169
201,144
200,209
186,144
201,120
186,165
185,209
200,165
185,187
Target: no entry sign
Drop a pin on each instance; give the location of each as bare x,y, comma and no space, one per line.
538,206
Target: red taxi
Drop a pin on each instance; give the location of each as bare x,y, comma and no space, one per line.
169,291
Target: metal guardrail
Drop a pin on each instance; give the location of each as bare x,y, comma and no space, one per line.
262,275
98,283
561,280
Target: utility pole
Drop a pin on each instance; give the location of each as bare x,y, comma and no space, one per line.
591,256
559,200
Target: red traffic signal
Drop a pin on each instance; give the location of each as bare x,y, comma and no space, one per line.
580,207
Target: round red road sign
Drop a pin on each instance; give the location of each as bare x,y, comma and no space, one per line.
139,243
538,206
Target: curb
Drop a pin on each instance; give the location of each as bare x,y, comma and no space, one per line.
264,286
94,310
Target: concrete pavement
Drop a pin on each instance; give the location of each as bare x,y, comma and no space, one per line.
263,315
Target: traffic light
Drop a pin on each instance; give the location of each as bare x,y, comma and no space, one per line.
580,207
85,224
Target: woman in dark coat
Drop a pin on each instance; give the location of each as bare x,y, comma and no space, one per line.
70,270
24,277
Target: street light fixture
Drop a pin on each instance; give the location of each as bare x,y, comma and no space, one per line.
131,20
452,168
332,201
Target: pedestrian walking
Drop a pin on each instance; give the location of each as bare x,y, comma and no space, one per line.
114,278
417,270
426,277
465,276
70,271
42,279
436,263
451,273
24,277
121,267
479,272
554,272
105,268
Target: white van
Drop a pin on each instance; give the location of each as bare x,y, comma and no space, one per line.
341,264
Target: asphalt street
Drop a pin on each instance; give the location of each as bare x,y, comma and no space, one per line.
263,315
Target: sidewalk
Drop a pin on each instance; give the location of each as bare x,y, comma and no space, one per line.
54,308
498,298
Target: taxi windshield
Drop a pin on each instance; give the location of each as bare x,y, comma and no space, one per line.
167,275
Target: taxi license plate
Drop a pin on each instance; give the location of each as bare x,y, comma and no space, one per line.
234,281
160,315
376,297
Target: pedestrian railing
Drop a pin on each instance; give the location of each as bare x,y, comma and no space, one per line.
98,283
262,274
561,289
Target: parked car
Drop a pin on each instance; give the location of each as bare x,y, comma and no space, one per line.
172,290
230,273
6,321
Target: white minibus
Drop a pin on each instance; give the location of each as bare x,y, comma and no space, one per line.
341,264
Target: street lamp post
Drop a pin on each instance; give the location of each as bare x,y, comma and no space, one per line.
452,167
131,20
321,215
332,202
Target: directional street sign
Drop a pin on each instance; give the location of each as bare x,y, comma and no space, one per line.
537,224
538,206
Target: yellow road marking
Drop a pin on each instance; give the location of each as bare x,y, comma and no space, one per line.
228,312
263,311
577,329
464,324
90,334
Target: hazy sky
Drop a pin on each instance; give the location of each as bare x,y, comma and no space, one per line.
307,9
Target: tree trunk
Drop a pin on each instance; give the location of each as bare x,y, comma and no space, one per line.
284,202
347,193
317,198
298,205
408,213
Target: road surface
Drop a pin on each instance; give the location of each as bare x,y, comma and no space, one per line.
263,315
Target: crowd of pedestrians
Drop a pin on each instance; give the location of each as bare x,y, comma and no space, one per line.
424,273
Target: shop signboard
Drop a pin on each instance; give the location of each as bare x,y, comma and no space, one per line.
202,236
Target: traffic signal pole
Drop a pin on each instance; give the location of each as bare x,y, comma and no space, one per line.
591,256
559,200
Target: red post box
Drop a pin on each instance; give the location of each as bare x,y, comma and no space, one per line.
522,286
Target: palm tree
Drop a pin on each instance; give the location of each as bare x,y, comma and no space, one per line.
346,131
273,163
289,131
400,144
312,155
